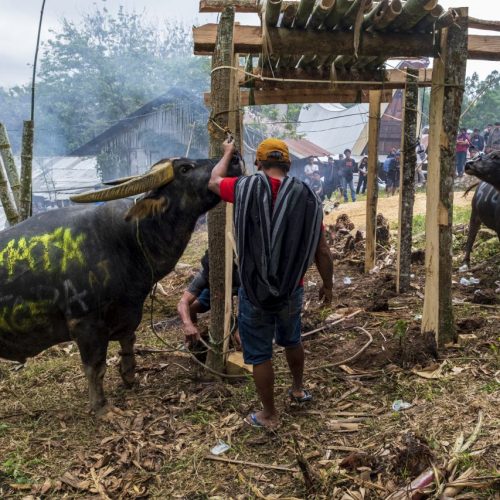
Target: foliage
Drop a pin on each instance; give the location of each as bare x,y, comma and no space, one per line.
481,101
276,120
97,71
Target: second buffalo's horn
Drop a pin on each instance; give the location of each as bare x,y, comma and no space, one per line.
160,174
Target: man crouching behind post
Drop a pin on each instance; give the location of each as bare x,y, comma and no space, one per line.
279,232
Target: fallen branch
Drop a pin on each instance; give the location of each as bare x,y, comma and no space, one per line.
250,464
328,325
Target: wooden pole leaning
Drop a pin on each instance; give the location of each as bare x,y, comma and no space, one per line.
446,99
407,181
221,84
372,181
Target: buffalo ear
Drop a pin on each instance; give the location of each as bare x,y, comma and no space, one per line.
147,207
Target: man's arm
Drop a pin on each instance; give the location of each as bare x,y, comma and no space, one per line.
191,332
220,170
324,263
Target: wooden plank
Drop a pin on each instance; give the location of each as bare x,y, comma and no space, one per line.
407,182
245,6
372,184
484,24
222,82
298,96
248,40
394,79
446,99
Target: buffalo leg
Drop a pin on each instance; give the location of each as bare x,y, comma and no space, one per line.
93,350
474,225
127,361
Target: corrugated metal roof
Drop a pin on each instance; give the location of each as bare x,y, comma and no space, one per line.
302,148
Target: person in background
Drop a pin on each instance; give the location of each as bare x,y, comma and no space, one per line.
363,175
196,300
317,186
338,165
348,166
309,170
462,147
476,142
392,181
330,178
494,139
421,159
273,259
487,132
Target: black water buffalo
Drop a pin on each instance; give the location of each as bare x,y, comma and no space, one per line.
486,201
82,273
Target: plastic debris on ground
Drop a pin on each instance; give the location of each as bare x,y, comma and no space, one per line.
399,405
220,448
463,269
469,281
347,281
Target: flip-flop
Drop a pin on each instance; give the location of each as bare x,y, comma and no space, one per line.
306,398
251,420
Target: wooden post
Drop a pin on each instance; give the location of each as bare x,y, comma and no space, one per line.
6,199
222,82
9,163
26,170
407,181
372,181
446,100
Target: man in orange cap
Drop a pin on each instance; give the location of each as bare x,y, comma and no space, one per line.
278,229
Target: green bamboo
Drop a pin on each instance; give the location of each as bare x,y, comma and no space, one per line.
289,15
375,13
303,13
320,13
413,12
427,23
26,170
10,164
447,19
388,16
8,203
350,16
338,12
272,12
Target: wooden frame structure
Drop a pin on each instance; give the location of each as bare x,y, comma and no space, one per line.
334,51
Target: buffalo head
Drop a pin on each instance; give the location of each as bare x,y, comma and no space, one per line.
486,168
178,182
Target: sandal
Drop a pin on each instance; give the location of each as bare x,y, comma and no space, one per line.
306,398
251,420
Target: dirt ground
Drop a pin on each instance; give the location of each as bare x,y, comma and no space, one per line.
389,206
349,443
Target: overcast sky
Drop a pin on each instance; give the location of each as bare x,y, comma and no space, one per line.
19,21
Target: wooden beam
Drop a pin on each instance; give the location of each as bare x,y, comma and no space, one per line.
407,182
372,184
301,96
248,40
446,100
245,6
484,24
394,79
222,82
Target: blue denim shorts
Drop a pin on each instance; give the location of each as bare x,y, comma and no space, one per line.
259,328
204,299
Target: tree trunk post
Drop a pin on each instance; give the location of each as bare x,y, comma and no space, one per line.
10,165
446,100
407,181
372,180
221,84
8,203
26,170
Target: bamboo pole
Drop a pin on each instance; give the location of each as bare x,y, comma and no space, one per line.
26,170
392,12
376,13
8,203
340,9
428,22
447,19
320,13
350,16
407,181
303,13
222,81
289,15
446,99
372,184
413,12
272,11
10,165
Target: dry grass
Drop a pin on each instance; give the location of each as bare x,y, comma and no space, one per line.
153,443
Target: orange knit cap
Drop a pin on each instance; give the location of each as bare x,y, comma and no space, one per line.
273,150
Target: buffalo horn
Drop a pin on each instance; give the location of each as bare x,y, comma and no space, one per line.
159,175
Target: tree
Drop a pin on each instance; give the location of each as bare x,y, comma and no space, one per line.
481,101
97,71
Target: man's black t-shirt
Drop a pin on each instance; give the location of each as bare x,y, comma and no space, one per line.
349,166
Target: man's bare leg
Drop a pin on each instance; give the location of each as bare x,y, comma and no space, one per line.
263,375
295,358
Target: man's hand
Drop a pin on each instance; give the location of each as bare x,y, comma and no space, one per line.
228,147
191,335
325,295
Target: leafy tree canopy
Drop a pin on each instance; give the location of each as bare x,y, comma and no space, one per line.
95,72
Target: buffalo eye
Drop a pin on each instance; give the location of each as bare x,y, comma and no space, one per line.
185,169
